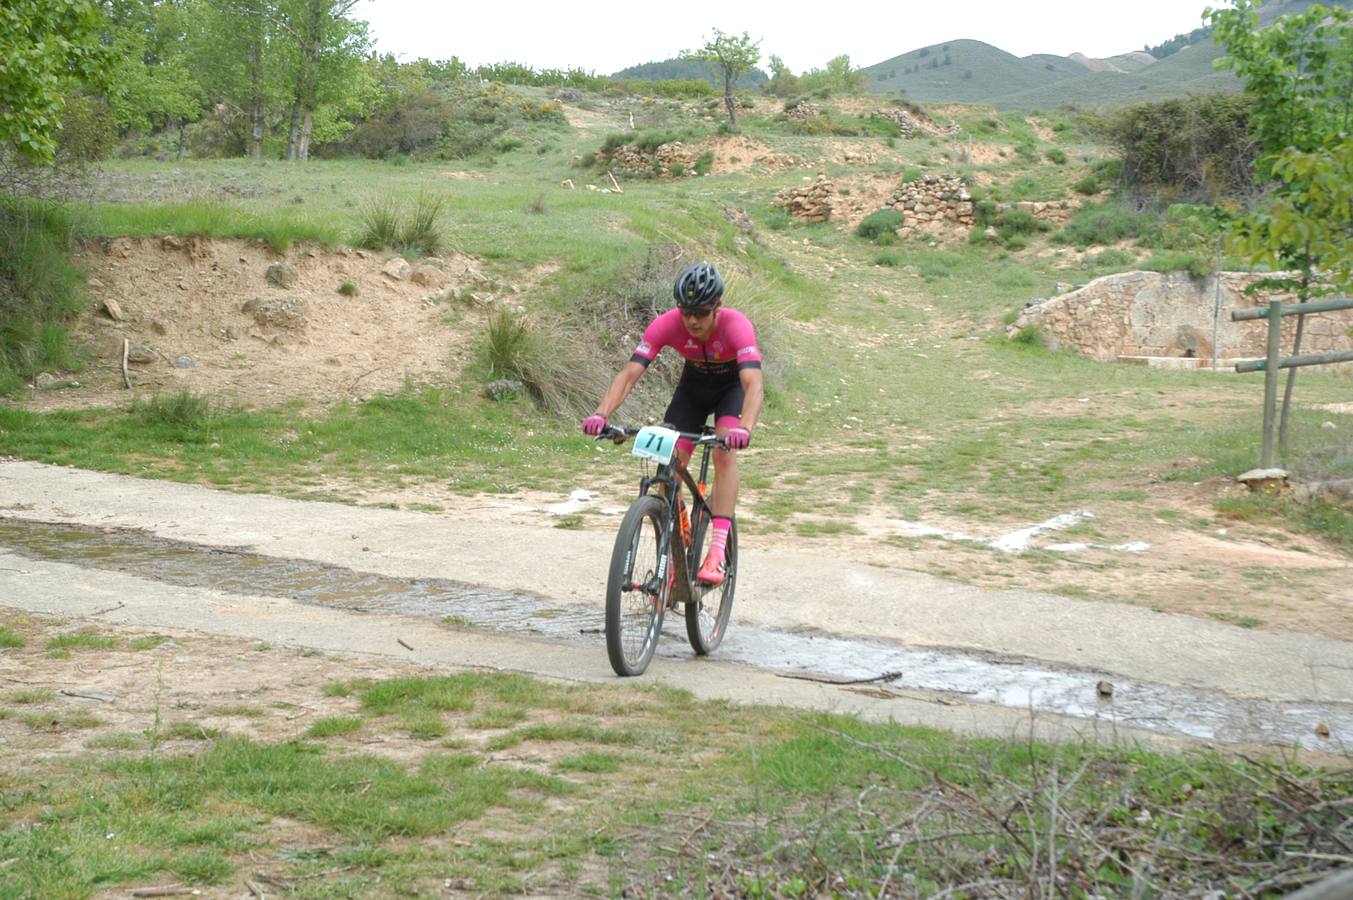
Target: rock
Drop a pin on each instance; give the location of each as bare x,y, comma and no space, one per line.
1104,688
1329,426
397,267
183,362
278,312
44,381
503,389
990,232
141,355
113,310
1322,729
94,283
158,327
427,276
232,333
1264,480
170,242
282,274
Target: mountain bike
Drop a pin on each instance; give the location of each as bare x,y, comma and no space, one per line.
658,550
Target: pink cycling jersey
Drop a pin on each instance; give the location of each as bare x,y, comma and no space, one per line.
731,348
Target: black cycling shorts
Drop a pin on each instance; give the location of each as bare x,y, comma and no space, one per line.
694,399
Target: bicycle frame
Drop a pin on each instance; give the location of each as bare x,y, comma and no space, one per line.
670,477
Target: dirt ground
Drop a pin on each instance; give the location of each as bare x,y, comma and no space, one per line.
205,317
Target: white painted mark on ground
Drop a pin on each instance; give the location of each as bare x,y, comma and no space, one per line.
1019,541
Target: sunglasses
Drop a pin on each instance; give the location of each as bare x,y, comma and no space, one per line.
696,313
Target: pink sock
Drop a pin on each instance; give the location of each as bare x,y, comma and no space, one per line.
718,540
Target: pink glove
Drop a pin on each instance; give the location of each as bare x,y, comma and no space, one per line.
594,425
737,438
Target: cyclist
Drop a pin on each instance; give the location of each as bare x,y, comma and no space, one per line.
722,376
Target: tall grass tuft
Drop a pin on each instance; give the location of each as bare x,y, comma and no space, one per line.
181,410
40,288
548,357
385,222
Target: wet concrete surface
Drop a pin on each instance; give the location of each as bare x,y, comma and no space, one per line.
879,665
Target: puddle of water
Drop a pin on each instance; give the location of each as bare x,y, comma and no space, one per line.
1012,683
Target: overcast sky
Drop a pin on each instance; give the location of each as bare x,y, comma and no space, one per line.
606,37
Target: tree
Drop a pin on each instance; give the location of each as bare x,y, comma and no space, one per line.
1299,71
42,43
783,82
838,77
152,82
327,49
238,57
733,56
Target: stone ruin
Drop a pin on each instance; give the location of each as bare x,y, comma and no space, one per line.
810,203
630,159
905,121
1174,319
933,200
802,112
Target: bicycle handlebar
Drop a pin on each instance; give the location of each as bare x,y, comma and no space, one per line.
618,434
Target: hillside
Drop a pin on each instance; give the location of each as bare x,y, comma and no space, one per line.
689,70
966,71
974,72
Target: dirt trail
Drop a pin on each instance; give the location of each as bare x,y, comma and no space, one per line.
788,590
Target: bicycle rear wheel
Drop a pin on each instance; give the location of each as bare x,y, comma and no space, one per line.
709,608
636,596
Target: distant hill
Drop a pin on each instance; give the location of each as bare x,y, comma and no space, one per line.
968,71
974,72
690,70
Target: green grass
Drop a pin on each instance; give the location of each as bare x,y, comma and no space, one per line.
748,787
9,638
83,640
334,726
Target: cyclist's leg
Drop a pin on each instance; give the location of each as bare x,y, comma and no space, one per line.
724,501
727,414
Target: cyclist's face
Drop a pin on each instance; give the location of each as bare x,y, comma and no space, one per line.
700,327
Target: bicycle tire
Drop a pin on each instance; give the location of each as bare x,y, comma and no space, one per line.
709,608
635,606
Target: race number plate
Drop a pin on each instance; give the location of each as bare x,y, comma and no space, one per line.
656,443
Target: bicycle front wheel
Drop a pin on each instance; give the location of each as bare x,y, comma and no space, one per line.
709,607
637,587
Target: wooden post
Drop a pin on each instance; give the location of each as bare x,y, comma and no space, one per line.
1275,334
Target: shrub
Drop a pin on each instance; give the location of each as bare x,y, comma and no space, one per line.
1056,155
880,226
677,170
1188,148
1030,336
704,163
1089,185
1107,223
777,218
1111,258
348,289
1196,264
508,144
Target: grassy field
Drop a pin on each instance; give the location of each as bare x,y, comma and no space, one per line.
372,785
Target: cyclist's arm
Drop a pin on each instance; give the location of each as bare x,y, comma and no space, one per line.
752,396
620,388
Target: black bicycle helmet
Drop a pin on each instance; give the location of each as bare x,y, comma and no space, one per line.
699,287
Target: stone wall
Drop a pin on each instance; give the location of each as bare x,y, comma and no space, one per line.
810,203
933,199
1133,315
629,159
